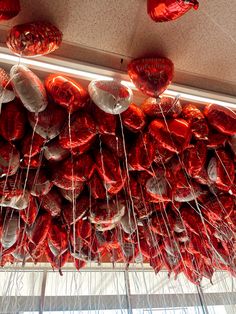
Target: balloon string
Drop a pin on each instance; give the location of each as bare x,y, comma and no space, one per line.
218,25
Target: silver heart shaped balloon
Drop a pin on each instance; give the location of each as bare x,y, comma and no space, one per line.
110,96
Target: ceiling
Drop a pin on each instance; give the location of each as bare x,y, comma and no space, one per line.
201,44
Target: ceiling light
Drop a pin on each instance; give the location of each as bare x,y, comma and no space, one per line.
195,95
53,67
92,72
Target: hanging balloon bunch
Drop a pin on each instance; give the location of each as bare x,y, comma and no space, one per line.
169,10
91,176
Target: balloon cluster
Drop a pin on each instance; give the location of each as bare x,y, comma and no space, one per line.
127,183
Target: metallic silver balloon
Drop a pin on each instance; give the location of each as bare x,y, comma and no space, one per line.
28,88
10,231
110,96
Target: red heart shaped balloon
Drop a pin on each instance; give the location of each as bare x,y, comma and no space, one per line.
151,75
66,92
34,39
168,10
12,121
9,9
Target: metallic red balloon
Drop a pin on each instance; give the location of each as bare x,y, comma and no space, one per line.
114,143
108,167
72,214
197,121
218,208
96,186
221,170
66,92
54,152
216,139
83,229
32,162
142,153
80,132
72,195
168,107
79,263
83,148
9,9
107,213
12,121
61,182
52,202
168,10
173,135
106,122
58,236
195,159
221,118
10,159
34,39
6,91
38,232
38,182
162,155
11,186
55,258
133,118
29,214
151,75
31,144
49,122
80,169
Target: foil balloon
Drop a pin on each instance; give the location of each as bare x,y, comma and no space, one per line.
54,152
9,9
10,231
28,88
66,92
29,214
81,131
151,75
221,118
52,202
49,122
10,159
34,39
110,96
6,92
12,121
18,201
133,118
168,107
168,10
